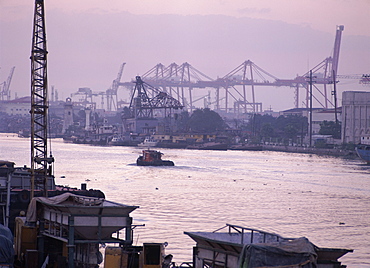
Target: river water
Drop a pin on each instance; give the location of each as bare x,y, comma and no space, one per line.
325,199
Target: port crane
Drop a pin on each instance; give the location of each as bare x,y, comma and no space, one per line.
249,74
181,81
363,79
87,98
4,86
112,91
142,106
177,80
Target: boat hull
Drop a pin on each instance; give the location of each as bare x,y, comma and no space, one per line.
152,158
172,145
246,147
209,146
140,162
147,144
363,152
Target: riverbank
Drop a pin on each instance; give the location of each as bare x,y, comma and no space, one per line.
351,154
308,150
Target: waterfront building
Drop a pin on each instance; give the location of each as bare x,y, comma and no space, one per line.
20,106
146,126
355,115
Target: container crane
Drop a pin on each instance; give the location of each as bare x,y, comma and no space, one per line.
363,79
5,92
112,92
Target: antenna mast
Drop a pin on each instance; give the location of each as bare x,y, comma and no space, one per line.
40,163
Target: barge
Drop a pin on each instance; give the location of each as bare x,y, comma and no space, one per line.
68,230
234,246
15,191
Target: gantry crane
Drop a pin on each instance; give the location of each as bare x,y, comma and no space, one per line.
112,91
40,161
4,86
174,78
142,106
363,79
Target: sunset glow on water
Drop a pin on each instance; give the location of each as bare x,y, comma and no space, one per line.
324,199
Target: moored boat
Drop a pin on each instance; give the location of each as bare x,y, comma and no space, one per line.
172,145
15,191
246,147
152,158
248,247
124,140
67,231
148,142
116,141
363,151
212,145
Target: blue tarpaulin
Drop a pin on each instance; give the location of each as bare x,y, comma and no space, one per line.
6,246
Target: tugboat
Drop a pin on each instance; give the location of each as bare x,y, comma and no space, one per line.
152,158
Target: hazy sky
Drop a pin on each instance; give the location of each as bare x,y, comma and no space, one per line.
89,39
318,14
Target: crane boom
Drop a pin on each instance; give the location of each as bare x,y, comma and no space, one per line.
337,41
112,92
119,76
5,93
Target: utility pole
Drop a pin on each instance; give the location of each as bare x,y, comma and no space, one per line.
40,162
335,97
310,82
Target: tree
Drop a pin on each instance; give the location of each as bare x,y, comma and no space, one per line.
267,131
205,121
284,127
126,113
291,126
290,131
330,128
259,123
181,121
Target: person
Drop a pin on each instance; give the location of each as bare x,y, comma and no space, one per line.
167,261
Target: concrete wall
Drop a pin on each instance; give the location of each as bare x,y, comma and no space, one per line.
355,115
141,126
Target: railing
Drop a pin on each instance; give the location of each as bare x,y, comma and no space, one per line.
252,234
59,225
